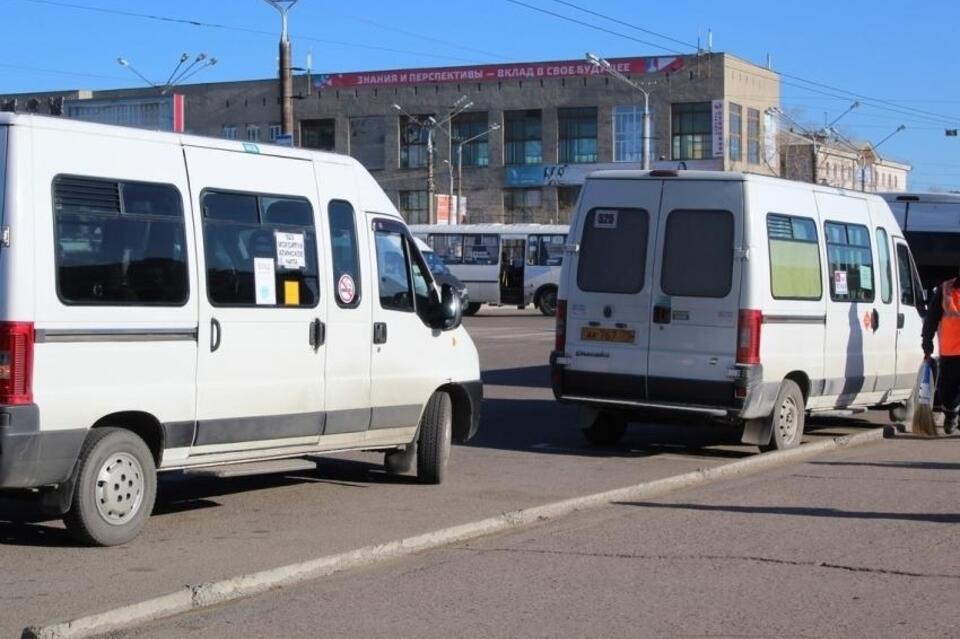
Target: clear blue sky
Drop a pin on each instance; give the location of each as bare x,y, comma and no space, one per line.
888,51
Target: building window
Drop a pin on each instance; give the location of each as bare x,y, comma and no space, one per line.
413,143
753,137
523,138
692,132
275,131
253,133
578,134
229,132
413,206
736,133
318,134
367,141
521,205
628,133
472,126
567,202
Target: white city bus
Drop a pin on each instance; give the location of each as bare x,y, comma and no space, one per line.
931,224
502,264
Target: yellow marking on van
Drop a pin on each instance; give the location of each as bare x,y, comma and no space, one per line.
618,335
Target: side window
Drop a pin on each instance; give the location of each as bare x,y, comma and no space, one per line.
261,250
698,254
886,270
545,250
794,258
482,250
346,255
908,296
396,290
851,262
613,251
119,243
448,247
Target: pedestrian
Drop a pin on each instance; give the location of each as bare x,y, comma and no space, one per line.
943,318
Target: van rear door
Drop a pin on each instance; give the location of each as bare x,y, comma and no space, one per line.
696,288
608,318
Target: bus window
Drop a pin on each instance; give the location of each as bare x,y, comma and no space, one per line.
480,250
448,247
545,250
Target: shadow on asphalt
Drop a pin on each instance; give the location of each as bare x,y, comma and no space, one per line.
833,513
898,464
526,377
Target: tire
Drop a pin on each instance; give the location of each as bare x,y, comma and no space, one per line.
903,415
787,418
436,436
104,511
547,302
606,430
471,309
400,461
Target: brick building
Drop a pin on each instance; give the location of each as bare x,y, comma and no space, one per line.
557,122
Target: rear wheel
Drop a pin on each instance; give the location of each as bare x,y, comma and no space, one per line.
436,435
471,308
787,418
115,489
548,302
607,429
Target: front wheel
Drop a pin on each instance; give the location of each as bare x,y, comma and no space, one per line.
787,418
548,302
115,489
471,308
606,430
436,436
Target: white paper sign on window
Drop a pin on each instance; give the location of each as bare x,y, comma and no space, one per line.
265,281
291,252
840,283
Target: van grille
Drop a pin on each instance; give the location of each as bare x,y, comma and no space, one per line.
85,195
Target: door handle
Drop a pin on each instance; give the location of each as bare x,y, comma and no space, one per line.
661,314
215,335
318,334
901,320
379,333
875,320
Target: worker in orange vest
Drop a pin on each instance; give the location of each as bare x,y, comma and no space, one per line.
943,318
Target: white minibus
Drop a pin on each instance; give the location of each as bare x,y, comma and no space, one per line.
740,297
931,224
170,302
502,264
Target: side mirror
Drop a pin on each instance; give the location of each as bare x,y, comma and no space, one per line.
447,312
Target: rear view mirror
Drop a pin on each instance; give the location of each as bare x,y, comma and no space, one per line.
447,312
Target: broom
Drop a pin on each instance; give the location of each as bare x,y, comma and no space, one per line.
923,424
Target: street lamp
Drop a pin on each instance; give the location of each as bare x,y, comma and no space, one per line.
191,70
460,144
605,66
285,71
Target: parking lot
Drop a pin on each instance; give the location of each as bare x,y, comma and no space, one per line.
528,452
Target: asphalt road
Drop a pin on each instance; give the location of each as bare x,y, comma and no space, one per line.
528,452
861,543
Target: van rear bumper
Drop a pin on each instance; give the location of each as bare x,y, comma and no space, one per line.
30,458
742,397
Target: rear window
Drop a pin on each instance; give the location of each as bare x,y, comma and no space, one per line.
613,251
698,254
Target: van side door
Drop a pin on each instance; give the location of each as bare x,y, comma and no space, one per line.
260,379
909,320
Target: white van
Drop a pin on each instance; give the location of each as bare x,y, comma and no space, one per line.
733,296
174,302
931,224
502,264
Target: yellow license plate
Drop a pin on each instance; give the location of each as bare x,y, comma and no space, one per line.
618,335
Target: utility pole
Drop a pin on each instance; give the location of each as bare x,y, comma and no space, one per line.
286,70
605,65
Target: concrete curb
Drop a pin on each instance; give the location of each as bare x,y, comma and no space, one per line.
214,593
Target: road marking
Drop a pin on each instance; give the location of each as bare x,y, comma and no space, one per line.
218,592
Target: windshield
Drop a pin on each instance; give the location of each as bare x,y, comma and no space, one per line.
436,265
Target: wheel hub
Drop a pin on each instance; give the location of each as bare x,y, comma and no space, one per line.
119,488
787,420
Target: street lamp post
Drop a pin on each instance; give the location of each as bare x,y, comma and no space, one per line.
285,71
605,65
460,144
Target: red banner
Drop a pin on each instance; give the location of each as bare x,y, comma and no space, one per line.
496,73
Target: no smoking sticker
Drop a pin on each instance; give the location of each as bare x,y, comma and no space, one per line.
346,289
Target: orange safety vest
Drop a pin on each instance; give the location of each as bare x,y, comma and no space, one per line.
949,330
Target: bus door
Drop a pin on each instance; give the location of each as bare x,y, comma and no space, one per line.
512,260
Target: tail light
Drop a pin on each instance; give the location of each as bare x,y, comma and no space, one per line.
560,344
16,362
748,336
